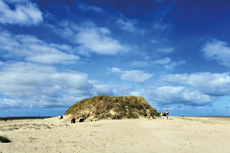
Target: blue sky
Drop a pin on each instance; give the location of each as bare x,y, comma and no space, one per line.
174,53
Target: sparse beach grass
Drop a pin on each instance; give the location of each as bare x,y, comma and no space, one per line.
34,126
63,125
198,120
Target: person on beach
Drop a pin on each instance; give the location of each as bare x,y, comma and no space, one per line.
148,113
61,117
167,113
151,115
5,119
73,120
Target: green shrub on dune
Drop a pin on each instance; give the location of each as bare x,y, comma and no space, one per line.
4,139
106,107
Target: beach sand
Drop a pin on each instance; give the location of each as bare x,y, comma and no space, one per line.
176,135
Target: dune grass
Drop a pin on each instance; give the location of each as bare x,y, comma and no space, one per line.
104,107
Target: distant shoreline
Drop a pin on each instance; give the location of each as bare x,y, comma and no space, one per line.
40,117
204,116
24,117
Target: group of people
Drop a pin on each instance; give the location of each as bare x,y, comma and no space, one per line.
165,113
72,121
6,119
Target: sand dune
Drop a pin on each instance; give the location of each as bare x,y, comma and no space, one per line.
190,135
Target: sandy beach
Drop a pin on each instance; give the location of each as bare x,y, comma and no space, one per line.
176,135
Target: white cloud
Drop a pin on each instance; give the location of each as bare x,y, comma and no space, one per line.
139,63
180,95
129,25
12,103
25,13
15,1
85,7
208,83
103,89
116,70
133,75
172,65
170,95
217,50
31,85
165,50
34,50
91,38
165,62
100,41
160,26
67,29
112,89
156,96
162,61
154,41
52,58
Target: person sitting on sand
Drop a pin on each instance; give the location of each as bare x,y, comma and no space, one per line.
73,120
61,117
151,116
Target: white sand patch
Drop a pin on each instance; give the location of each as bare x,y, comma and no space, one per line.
128,135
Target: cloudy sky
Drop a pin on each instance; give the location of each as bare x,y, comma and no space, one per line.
174,53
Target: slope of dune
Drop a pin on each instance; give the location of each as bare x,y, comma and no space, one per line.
106,107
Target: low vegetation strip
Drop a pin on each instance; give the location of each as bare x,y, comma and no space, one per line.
106,107
198,120
34,126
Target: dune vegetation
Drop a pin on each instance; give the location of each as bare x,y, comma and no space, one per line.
106,107
4,139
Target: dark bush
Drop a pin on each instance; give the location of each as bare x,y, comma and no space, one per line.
4,139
